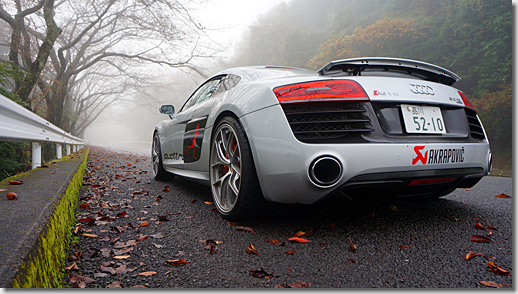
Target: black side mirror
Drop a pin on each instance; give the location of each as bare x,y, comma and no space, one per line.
167,109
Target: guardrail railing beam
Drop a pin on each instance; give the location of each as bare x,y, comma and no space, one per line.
18,124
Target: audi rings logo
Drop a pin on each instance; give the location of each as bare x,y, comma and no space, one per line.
421,89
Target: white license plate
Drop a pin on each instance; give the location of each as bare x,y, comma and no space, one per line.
423,119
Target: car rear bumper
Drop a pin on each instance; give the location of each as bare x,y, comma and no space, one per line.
285,166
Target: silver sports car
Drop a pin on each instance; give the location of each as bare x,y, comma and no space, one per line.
364,127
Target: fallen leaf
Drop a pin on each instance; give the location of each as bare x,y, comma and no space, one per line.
280,286
233,223
479,226
370,215
158,236
107,269
352,247
300,285
260,274
158,245
404,246
491,284
72,267
147,274
122,214
163,218
16,182
84,205
116,284
503,196
11,196
137,192
79,281
90,252
246,229
143,224
90,235
298,240
290,252
142,238
496,269
166,189
251,249
122,256
299,233
177,262
482,239
209,202
275,242
490,227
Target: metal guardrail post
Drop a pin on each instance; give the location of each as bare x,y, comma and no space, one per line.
36,155
59,152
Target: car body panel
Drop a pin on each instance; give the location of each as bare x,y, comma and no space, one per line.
283,160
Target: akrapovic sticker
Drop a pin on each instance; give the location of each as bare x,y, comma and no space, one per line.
425,156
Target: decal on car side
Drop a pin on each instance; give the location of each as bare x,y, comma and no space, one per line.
437,156
193,139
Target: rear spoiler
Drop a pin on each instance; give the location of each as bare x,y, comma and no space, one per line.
355,67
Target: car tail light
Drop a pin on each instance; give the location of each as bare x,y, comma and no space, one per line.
432,181
467,103
332,90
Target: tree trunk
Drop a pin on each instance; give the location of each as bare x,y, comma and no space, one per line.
37,66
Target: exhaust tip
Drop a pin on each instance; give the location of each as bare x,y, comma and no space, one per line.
325,171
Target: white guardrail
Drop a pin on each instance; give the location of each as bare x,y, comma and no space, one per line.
18,124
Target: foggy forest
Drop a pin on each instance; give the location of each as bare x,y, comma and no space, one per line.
100,69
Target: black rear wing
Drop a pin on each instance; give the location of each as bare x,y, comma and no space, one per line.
357,66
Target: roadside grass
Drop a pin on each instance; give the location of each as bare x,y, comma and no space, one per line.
502,163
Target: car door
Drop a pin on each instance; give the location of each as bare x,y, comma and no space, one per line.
175,139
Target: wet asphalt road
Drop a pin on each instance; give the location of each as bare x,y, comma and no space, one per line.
398,244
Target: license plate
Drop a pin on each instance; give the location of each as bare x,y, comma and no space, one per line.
423,119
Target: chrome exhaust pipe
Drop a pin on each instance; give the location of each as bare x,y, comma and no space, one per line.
325,171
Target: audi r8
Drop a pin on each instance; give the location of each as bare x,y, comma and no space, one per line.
392,128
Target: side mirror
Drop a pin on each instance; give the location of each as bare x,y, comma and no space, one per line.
167,109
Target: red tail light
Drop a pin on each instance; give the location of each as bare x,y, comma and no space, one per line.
467,103
432,181
333,90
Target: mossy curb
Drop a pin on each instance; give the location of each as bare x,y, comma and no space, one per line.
44,268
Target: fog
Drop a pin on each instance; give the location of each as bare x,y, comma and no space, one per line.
128,123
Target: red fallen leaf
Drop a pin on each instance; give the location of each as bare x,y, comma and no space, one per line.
290,252
496,269
163,218
491,284
137,192
177,262
300,285
299,233
121,214
85,205
260,274
233,223
370,215
166,189
472,254
482,239
490,234
140,239
275,242
246,229
16,182
298,240
404,246
490,227
87,220
479,226
95,186
143,224
11,196
251,249
503,196
352,247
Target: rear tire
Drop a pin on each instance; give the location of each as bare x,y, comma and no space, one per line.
234,184
159,172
